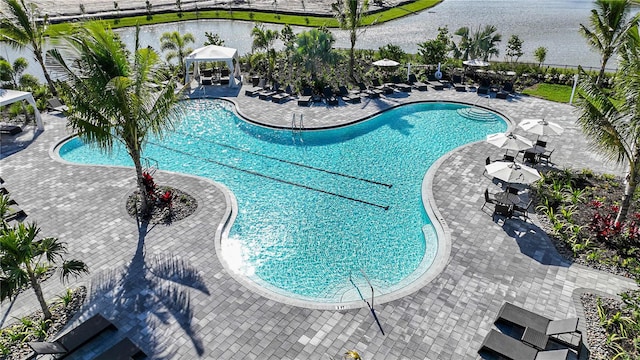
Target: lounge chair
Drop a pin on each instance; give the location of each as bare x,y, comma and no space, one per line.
418,85
503,210
509,348
435,83
266,94
207,77
73,339
307,97
125,349
456,80
515,315
55,104
328,96
224,76
9,129
370,93
398,84
387,90
283,96
255,90
348,97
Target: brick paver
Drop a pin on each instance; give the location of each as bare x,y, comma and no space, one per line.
212,316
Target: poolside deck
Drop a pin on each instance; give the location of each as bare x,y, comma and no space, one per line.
215,317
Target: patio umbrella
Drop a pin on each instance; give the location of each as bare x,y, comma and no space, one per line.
541,127
386,63
509,141
512,172
476,63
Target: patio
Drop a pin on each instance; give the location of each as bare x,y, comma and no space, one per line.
489,263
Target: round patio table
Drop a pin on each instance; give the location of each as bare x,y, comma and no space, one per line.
508,198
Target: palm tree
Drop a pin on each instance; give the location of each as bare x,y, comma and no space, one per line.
24,260
315,47
480,44
613,125
350,14
20,28
112,97
264,39
608,25
176,45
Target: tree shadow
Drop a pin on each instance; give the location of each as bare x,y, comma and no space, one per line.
147,293
12,144
534,242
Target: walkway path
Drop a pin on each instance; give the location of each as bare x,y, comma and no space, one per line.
214,317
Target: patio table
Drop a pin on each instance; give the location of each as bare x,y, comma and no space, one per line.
508,198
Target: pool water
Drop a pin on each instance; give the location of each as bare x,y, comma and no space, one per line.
317,209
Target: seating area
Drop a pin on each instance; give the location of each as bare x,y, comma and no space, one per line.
533,336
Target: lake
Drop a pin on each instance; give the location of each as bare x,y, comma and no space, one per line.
553,24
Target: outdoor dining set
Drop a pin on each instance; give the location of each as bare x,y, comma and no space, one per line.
514,175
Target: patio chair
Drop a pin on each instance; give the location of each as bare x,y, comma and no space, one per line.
8,129
529,157
489,199
387,90
524,210
523,318
73,339
507,347
545,157
503,210
418,85
125,349
502,95
268,93
224,76
207,77
328,96
541,143
507,87
508,158
348,97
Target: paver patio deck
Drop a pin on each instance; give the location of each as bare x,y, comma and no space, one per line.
214,317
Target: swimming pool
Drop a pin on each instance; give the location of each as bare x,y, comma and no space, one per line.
319,212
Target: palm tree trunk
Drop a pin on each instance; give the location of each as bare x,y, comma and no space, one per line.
352,55
144,205
38,290
40,60
629,190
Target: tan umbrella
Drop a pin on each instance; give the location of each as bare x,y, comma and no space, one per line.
509,141
512,172
541,127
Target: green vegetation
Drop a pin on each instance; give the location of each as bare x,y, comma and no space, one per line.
552,92
260,16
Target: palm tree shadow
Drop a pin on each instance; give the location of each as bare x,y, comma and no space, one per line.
148,291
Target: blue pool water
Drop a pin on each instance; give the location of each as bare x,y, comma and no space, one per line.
317,207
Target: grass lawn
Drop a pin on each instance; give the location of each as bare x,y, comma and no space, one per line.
261,16
551,92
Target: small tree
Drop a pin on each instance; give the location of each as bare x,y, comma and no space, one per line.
392,52
514,48
213,39
540,54
24,260
435,51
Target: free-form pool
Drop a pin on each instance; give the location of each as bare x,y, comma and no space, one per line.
318,211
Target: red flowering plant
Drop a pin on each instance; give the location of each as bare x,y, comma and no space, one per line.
149,185
612,232
166,199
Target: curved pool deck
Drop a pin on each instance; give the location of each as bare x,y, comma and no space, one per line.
489,262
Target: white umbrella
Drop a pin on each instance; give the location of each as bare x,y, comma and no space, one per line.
386,62
509,141
512,172
541,127
476,63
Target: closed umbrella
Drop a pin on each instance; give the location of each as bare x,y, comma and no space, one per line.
541,127
509,141
512,172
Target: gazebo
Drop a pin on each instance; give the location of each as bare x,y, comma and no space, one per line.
10,96
213,53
